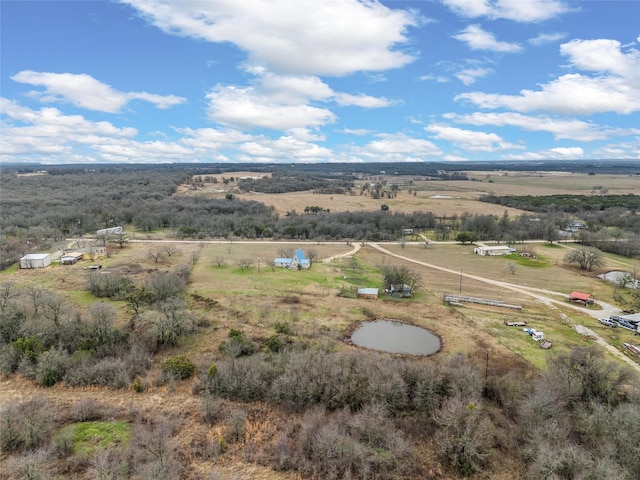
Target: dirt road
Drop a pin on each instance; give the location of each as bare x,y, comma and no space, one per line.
540,294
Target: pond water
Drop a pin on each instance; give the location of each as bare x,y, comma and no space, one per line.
396,337
615,277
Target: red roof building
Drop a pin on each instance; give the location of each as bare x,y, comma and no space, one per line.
587,298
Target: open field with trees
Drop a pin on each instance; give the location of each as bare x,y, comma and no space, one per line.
188,354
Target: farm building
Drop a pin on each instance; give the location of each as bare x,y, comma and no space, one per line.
400,291
298,261
35,260
367,293
581,297
110,231
493,250
71,258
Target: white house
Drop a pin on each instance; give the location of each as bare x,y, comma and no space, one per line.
298,261
35,260
493,250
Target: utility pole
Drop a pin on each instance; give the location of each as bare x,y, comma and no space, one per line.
258,263
460,279
486,367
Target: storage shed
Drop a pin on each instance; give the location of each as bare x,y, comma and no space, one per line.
35,260
367,293
71,258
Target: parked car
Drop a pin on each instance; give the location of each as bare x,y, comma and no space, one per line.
616,318
607,322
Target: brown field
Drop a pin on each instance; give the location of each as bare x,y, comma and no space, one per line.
461,196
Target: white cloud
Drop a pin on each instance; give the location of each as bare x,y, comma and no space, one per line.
571,94
469,76
435,78
604,56
397,147
247,108
560,153
517,10
545,38
211,138
331,37
294,89
286,148
574,152
356,131
50,131
362,100
614,88
560,128
478,39
85,91
471,140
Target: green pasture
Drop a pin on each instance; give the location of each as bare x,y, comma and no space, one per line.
88,437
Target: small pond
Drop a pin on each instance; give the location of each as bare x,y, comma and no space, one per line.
396,337
616,276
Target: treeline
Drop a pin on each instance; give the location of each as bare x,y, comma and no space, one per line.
566,203
280,182
612,222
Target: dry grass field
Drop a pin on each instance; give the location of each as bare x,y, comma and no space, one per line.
443,198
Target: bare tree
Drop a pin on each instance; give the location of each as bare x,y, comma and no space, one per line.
511,268
312,254
219,260
37,295
155,255
285,252
244,263
8,291
54,306
587,258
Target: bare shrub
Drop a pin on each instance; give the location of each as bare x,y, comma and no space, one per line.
108,464
211,409
52,367
30,466
89,409
464,436
26,425
344,445
236,426
155,450
247,379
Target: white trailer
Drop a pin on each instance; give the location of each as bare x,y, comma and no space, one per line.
35,260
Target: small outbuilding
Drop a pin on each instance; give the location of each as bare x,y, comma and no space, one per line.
581,297
367,293
71,258
35,260
485,250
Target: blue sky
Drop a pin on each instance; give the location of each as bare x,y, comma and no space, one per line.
144,81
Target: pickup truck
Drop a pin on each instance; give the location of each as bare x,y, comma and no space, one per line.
607,322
